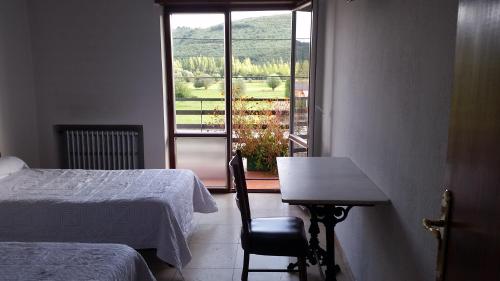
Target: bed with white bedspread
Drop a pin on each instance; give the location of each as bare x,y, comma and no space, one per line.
139,208
21,261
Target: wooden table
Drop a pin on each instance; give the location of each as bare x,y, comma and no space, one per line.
329,187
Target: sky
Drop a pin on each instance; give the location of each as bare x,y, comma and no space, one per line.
207,20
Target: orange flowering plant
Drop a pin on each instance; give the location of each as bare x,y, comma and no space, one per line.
260,133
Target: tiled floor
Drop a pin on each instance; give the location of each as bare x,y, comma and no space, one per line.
262,180
217,254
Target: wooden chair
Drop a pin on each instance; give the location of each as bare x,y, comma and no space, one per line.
274,236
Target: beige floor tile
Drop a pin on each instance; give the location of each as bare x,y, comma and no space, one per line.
223,216
225,201
161,270
266,276
293,211
212,255
265,201
204,275
216,233
313,274
262,213
264,262
164,274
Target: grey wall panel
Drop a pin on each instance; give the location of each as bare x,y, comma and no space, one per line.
98,62
18,133
391,85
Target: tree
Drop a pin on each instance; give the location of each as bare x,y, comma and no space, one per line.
182,90
287,88
302,69
238,86
203,81
187,75
273,81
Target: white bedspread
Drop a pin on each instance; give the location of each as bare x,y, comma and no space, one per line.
71,261
139,208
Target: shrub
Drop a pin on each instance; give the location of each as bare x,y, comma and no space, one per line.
182,90
203,81
187,75
239,87
273,81
217,77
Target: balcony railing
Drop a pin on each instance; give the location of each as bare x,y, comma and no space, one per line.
216,112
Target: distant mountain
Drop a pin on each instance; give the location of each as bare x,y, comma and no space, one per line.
275,32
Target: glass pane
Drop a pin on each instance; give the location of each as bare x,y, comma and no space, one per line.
205,156
261,46
302,57
298,150
198,54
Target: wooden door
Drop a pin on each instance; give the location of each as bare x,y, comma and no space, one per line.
473,164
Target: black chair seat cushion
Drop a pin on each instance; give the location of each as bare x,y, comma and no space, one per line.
276,236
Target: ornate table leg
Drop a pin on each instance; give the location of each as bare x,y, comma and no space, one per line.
316,254
329,215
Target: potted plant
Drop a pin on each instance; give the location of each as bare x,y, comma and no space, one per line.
260,137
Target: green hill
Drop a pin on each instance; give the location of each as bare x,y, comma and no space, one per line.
261,39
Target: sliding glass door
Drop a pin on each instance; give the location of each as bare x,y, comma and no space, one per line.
261,59
198,129
236,80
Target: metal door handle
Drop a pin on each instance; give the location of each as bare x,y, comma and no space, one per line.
433,226
439,228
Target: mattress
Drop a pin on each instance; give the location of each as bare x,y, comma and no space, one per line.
71,261
139,208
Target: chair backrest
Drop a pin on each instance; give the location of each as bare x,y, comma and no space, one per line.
238,172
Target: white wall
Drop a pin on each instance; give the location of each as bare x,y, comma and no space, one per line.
391,84
18,135
98,62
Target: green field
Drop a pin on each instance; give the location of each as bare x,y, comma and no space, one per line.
253,89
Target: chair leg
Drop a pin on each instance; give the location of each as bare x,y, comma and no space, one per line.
246,261
302,269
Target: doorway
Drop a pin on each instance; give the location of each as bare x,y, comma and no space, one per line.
237,80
